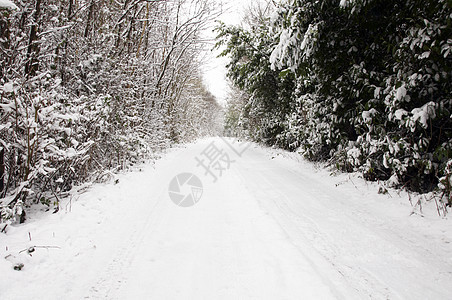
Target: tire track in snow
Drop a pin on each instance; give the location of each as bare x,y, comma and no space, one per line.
302,248
114,275
306,236
404,253
361,280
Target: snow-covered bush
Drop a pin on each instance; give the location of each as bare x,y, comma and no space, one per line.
371,84
445,183
42,149
89,87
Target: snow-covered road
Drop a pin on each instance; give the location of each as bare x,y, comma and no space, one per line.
269,227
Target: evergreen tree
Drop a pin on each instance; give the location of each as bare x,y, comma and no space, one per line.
364,83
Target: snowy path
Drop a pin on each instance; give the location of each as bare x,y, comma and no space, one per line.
269,228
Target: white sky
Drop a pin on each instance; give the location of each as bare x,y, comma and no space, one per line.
215,71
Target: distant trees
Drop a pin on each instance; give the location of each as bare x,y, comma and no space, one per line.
89,86
365,84
249,69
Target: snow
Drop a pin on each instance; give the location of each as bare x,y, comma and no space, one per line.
8,87
354,155
7,4
271,227
400,93
70,152
393,180
290,51
286,41
345,3
368,114
424,113
400,113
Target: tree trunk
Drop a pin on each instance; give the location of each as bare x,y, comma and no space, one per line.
4,41
2,171
90,19
64,58
33,48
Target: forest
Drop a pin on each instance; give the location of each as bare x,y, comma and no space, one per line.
325,173
90,87
363,85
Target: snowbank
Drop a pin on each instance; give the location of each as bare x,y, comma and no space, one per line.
7,4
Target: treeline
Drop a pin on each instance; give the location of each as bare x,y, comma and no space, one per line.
364,84
91,86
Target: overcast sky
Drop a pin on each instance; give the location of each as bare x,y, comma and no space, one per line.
214,71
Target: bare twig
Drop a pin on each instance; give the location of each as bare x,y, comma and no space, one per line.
32,248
